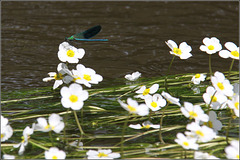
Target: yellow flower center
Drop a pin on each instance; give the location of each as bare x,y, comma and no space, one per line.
214,98
2,135
73,98
211,47
76,78
177,51
147,126
209,124
131,108
101,154
58,76
54,157
146,91
235,53
185,143
192,114
87,77
237,156
47,126
197,76
70,53
154,104
200,133
236,105
220,85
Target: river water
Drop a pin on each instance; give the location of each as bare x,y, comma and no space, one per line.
137,31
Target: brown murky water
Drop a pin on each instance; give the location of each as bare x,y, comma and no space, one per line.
137,31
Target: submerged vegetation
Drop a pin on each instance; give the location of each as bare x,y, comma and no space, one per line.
143,119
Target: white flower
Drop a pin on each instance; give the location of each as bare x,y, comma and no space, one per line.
201,155
233,51
102,154
7,156
171,99
232,151
86,76
203,133
55,153
143,91
183,51
133,107
59,77
133,77
68,53
155,102
213,123
194,111
221,84
73,96
145,125
26,135
6,129
186,142
211,46
234,104
55,124
197,78
217,98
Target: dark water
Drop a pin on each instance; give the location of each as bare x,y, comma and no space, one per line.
32,32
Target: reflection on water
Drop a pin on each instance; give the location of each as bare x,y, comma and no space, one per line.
137,31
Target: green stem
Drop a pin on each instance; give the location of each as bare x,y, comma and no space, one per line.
185,154
50,135
209,105
38,145
161,121
79,126
210,66
82,115
230,69
122,139
169,67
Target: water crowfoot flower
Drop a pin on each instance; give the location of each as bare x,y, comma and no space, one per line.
186,142
7,156
133,77
221,84
211,45
143,91
6,129
233,51
68,53
59,77
213,123
197,78
26,135
55,124
171,99
217,99
203,133
234,104
155,102
55,153
201,155
145,125
102,154
73,96
183,51
86,76
194,112
232,151
133,107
